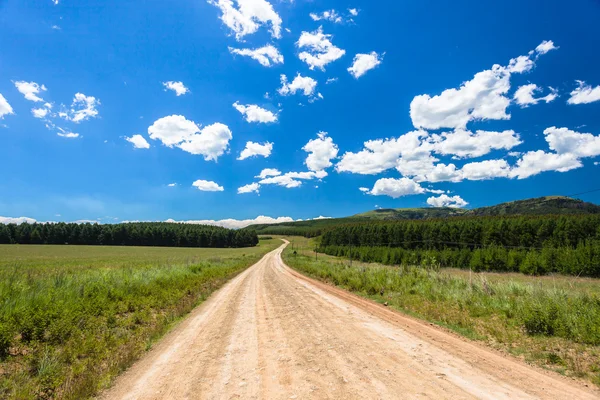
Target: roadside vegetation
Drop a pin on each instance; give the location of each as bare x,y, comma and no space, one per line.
551,321
73,317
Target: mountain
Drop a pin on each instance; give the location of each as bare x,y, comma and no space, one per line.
548,205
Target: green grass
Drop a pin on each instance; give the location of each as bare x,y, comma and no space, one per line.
553,322
73,317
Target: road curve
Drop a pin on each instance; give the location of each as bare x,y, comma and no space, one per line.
272,333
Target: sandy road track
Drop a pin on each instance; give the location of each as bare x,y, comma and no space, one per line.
271,333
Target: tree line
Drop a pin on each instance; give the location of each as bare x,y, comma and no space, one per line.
127,234
532,245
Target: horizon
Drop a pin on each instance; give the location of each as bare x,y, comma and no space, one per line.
193,112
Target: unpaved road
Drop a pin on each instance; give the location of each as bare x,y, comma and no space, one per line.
271,333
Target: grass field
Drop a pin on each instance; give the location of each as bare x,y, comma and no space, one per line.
552,321
73,317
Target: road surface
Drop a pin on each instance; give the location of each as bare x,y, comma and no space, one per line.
271,333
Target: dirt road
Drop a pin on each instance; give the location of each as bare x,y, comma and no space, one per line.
270,333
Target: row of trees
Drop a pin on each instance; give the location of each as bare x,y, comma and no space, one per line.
583,259
129,234
469,232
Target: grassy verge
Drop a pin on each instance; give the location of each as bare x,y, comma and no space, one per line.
73,317
553,322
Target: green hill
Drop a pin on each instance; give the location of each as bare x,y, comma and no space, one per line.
549,205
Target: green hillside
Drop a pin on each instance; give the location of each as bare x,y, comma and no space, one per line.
549,205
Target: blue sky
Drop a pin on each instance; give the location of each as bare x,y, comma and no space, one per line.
148,109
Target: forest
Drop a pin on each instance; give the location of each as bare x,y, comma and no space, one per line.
536,245
161,234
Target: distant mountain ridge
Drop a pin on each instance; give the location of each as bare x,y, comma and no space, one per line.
547,205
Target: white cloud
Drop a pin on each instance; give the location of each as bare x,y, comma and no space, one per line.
41,112
364,189
319,49
68,135
267,172
207,186
172,185
301,83
266,55
254,113
524,95
256,149
353,11
535,162
138,142
484,170
584,94
17,220
5,108
447,201
545,47
248,17
566,141
330,15
83,108
30,90
178,87
237,224
363,63
331,80
251,188
383,154
396,187
175,130
481,98
321,151
293,179
465,144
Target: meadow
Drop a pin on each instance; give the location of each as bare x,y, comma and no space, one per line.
74,317
551,321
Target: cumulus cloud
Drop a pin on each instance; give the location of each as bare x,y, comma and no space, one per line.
266,55
566,141
330,15
353,12
545,47
207,186
251,188
466,144
138,142
363,63
535,162
254,113
484,170
211,141
524,95
267,172
172,185
40,113
248,16
83,108
383,154
321,151
481,98
5,108
292,179
178,87
30,90
584,94
303,84
319,51
256,149
447,201
396,188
